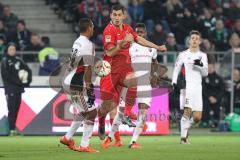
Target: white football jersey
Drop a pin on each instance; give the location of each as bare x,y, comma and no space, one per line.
141,58
84,49
193,73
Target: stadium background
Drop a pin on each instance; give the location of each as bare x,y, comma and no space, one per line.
168,22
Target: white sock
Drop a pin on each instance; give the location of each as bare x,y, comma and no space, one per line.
184,126
73,128
87,134
116,122
139,127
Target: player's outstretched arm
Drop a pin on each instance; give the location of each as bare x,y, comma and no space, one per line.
177,68
149,44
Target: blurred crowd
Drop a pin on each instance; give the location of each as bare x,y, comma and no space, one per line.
168,21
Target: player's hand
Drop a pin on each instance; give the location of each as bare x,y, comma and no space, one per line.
162,48
198,62
212,100
129,37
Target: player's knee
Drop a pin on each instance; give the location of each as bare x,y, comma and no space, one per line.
130,81
197,119
106,107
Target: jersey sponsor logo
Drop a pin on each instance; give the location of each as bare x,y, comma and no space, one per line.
108,38
74,51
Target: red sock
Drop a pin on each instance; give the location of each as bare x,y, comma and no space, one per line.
117,136
130,100
101,121
111,121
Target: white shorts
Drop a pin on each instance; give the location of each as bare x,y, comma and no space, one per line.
144,94
193,98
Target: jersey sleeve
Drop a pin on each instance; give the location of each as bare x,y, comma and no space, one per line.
177,68
109,39
154,53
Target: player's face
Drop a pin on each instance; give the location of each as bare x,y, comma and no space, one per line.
117,17
194,41
141,32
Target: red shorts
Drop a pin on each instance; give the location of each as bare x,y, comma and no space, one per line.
111,86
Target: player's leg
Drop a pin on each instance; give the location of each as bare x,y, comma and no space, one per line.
118,142
87,131
185,124
196,116
142,114
129,102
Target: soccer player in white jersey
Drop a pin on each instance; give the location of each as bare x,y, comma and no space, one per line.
142,59
78,84
196,67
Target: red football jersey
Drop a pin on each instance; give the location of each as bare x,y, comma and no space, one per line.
113,35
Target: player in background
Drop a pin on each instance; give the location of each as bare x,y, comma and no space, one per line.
117,38
142,59
196,67
78,84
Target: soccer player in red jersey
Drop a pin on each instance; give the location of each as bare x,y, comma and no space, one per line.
117,38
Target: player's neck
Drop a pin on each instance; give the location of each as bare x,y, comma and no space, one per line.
194,50
84,34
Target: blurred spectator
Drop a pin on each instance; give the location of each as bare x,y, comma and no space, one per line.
213,91
171,45
159,35
48,58
153,10
21,37
112,2
15,75
35,43
236,79
219,36
234,41
207,46
175,12
186,24
89,8
195,7
3,30
136,11
9,18
2,46
207,23
101,21
236,27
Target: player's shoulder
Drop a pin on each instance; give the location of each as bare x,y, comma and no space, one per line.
108,28
184,52
202,53
127,26
82,41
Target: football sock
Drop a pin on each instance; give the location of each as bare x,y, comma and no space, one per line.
139,127
87,134
184,126
73,128
116,122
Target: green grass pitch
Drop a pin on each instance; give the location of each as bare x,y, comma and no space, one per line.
203,147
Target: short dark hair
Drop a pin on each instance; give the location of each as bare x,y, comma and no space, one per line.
46,40
140,25
117,7
84,23
22,22
195,32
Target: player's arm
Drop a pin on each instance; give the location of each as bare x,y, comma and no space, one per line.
177,68
112,49
202,65
149,44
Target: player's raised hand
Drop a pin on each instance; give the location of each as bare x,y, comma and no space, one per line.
162,48
129,37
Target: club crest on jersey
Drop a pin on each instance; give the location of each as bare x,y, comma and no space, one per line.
150,49
108,38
